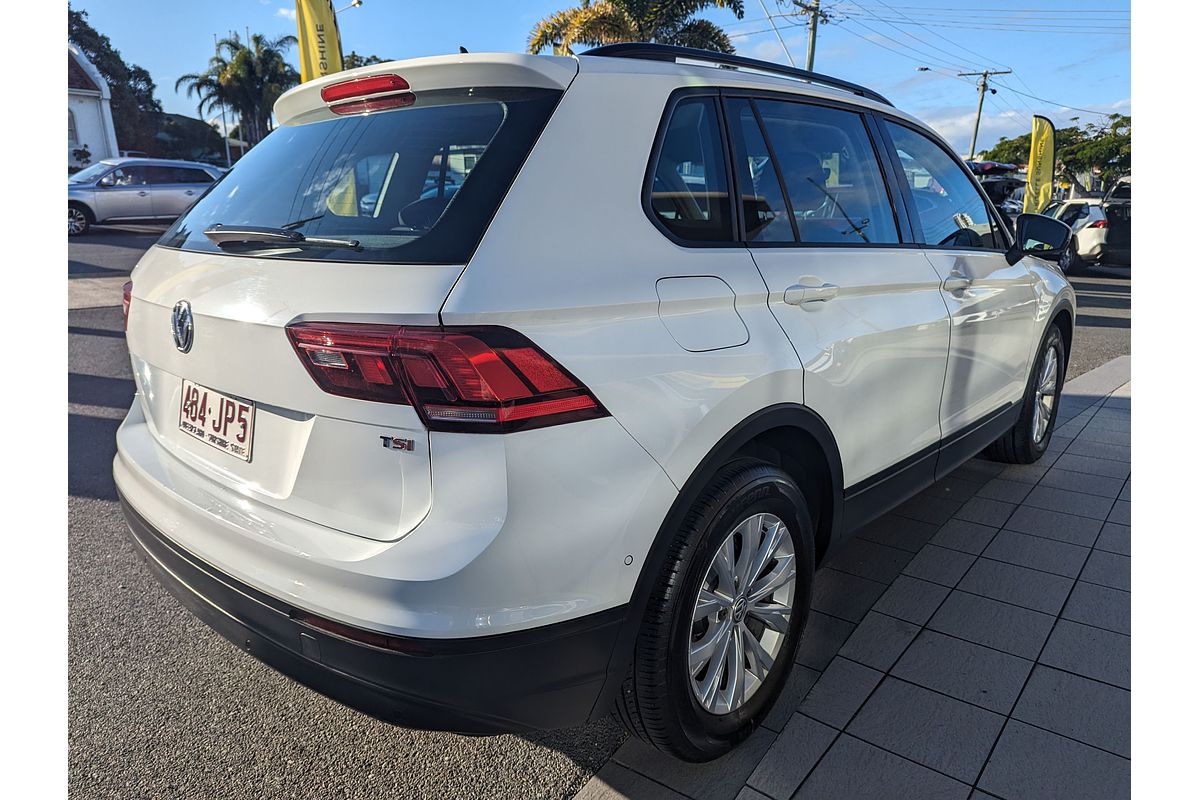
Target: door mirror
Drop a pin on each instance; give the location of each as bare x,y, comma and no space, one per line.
1040,236
107,181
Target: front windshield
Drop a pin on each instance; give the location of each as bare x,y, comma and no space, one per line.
416,185
90,174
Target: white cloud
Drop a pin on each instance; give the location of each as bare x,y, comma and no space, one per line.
286,13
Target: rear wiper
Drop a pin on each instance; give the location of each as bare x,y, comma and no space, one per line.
251,235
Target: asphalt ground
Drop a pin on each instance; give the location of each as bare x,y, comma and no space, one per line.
161,707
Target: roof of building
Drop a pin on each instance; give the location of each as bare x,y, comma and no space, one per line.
82,74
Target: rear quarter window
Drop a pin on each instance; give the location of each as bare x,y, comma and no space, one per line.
414,185
689,188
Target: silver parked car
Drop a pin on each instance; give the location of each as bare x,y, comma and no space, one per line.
129,189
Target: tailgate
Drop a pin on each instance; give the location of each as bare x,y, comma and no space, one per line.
315,455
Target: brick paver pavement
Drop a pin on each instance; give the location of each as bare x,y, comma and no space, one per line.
973,643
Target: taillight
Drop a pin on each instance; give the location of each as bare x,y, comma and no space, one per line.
361,87
483,379
126,299
373,93
1100,223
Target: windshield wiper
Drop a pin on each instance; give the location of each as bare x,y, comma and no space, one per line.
287,226
252,235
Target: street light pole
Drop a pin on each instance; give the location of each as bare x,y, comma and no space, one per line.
983,90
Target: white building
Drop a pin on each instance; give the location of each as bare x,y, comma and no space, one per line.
89,115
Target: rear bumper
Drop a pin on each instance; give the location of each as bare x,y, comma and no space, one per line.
541,678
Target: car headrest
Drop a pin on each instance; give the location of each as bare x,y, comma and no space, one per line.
805,178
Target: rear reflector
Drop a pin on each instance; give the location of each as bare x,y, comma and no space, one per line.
126,299
484,379
362,87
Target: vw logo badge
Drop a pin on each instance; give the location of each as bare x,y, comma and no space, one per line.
181,325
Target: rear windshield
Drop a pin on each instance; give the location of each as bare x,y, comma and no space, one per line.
416,185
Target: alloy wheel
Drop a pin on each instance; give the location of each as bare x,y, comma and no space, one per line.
76,221
1044,394
742,614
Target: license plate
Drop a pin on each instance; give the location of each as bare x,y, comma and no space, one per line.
216,419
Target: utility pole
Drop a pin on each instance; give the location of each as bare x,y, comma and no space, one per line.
983,90
812,10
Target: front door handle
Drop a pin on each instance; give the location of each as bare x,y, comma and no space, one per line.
141,194
956,282
189,193
801,294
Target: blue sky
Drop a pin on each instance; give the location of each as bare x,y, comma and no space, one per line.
1063,53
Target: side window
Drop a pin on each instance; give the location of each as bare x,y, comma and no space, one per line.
130,176
1073,213
765,210
949,204
192,175
690,190
831,173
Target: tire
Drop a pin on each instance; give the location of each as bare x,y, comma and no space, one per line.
79,220
1022,444
657,702
1072,263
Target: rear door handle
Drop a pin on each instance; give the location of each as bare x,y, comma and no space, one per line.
189,193
142,194
956,282
801,294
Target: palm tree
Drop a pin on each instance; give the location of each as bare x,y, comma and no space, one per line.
246,77
596,22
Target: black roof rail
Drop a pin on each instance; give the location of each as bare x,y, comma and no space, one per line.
667,52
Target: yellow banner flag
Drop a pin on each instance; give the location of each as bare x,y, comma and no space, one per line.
1039,185
320,45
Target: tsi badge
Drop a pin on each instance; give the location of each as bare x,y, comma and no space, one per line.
395,443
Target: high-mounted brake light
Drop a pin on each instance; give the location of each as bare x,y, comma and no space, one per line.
375,103
483,379
126,299
362,87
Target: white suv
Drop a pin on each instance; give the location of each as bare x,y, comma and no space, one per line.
471,399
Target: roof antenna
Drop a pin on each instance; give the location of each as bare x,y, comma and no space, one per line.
462,49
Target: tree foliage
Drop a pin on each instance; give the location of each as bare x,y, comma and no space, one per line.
136,113
1079,150
353,60
597,22
246,77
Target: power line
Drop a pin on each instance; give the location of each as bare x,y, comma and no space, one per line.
986,59
1005,27
925,56
922,41
1073,12
1058,105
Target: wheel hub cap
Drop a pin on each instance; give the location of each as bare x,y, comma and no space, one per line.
739,609
742,613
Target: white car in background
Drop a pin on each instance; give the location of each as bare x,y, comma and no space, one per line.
519,455
1089,230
